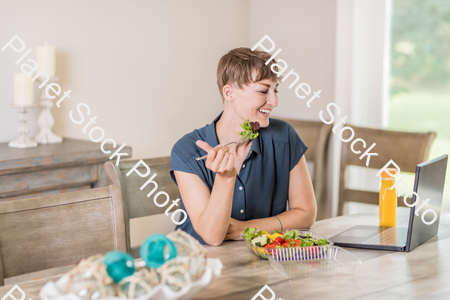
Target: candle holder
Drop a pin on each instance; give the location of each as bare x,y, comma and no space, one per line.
45,120
23,141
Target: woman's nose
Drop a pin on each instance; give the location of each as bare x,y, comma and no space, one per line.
273,100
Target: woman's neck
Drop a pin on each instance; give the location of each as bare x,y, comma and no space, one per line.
228,128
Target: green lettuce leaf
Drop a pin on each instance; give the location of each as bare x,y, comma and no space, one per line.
248,130
322,242
248,233
306,243
292,234
259,233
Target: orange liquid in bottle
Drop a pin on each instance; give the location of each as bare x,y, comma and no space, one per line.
388,202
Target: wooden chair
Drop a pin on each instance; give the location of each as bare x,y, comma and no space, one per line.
136,202
59,230
315,135
406,149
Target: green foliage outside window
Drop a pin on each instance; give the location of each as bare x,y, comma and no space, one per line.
420,44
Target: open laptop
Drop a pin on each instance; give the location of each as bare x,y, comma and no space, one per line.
428,184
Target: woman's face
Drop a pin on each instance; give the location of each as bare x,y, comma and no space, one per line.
256,101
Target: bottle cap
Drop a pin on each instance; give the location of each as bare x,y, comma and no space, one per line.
390,170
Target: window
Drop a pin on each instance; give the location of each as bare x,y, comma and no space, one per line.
419,97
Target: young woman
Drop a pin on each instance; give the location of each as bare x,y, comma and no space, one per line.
246,184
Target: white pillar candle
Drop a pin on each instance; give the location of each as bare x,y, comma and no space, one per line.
45,59
23,90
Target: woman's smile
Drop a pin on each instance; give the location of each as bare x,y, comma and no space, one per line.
265,112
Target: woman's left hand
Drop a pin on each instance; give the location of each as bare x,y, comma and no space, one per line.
235,228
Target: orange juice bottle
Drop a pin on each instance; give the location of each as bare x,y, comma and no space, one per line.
388,199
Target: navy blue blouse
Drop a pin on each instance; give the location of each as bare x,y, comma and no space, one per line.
262,186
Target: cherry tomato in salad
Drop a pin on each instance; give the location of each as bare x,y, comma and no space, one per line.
279,240
296,242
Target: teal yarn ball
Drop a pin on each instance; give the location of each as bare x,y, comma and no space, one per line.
118,265
156,250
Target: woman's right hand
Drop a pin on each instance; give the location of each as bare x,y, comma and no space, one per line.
219,159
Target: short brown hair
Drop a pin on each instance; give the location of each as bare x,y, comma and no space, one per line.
238,64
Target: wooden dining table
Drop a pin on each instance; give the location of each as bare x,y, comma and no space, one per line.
423,273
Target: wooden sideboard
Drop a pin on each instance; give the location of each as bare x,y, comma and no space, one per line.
55,168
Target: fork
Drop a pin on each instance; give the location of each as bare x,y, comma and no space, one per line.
247,137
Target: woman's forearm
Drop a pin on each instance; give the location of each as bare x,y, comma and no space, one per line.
213,221
292,219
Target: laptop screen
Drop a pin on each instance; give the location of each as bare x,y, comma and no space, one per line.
425,215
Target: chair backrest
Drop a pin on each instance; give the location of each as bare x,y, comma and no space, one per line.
137,204
59,230
315,135
406,149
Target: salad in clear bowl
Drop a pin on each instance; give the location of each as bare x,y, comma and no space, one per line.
262,243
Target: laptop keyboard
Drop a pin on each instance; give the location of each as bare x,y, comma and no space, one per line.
390,236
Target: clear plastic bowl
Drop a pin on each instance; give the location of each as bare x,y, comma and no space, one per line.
265,252
332,261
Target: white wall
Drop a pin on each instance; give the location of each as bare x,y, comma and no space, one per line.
305,31
147,69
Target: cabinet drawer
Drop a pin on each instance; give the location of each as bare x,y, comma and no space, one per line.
33,182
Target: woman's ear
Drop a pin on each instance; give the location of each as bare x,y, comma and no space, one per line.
228,93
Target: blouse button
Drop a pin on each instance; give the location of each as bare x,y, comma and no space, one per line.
243,166
240,188
242,211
